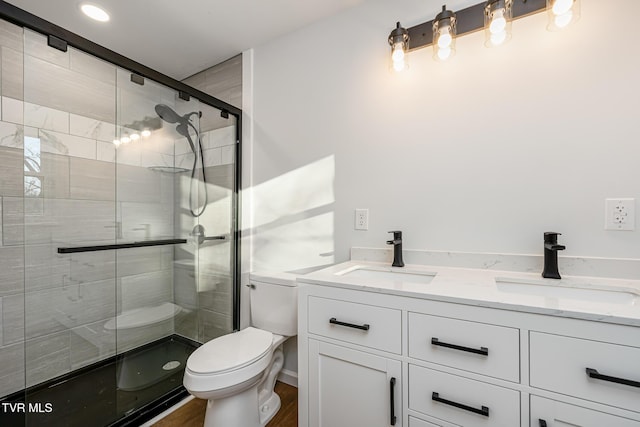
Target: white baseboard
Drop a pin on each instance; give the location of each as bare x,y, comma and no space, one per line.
168,411
288,377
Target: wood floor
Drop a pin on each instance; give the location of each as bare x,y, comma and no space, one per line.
192,414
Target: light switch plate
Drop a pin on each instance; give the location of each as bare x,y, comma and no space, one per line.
620,214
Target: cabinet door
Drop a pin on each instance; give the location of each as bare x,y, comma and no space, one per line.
350,388
550,413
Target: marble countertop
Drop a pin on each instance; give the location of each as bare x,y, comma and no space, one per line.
596,299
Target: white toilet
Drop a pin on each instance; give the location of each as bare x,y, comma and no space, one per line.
237,372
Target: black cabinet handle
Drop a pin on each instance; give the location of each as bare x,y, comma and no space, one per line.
542,423
592,373
484,411
392,386
364,327
482,350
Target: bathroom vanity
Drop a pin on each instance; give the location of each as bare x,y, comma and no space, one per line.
426,346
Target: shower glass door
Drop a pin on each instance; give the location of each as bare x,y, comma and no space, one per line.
155,325
69,202
171,186
118,207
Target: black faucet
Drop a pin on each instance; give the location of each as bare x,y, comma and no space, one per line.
397,248
551,248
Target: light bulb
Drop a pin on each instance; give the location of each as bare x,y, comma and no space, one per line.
498,38
398,53
444,39
563,20
125,139
116,142
135,137
444,53
498,22
560,7
398,65
146,133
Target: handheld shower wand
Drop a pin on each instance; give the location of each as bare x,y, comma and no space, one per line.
167,114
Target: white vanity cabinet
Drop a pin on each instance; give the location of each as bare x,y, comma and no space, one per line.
350,388
354,376
373,359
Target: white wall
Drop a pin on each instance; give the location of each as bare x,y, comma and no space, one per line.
481,154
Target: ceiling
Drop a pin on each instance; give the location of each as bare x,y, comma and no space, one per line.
181,38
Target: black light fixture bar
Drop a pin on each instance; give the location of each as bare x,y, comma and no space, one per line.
470,20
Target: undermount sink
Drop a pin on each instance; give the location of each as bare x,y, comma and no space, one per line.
390,275
570,291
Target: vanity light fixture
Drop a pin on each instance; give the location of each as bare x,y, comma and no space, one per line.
444,35
399,42
562,13
94,12
494,16
498,15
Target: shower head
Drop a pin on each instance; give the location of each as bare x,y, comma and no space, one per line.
167,114
182,129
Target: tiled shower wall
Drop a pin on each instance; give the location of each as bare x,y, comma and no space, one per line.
60,185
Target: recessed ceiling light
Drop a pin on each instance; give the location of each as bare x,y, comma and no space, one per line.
94,12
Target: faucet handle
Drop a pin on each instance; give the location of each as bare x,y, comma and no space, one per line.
396,234
551,236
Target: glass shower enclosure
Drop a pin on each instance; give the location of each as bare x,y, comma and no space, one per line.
118,239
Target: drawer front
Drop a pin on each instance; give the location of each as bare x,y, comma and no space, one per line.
365,325
415,422
560,364
476,347
462,401
550,413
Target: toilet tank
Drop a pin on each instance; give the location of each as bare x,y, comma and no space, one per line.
274,302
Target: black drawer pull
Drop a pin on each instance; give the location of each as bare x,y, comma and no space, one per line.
592,373
482,350
392,386
542,423
484,411
364,327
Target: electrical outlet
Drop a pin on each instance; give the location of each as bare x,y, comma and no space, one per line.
362,219
619,214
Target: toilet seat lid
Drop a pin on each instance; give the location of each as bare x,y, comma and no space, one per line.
230,352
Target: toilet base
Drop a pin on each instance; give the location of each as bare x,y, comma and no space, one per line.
237,410
269,409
